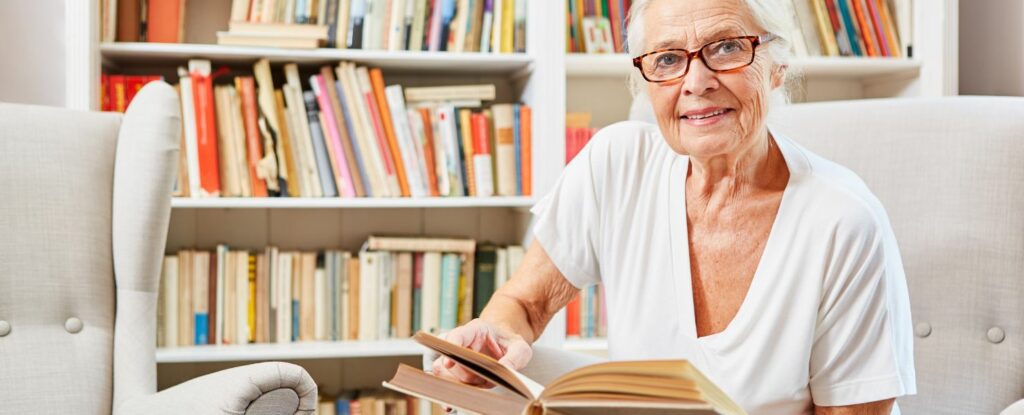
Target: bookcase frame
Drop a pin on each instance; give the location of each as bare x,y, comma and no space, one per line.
545,77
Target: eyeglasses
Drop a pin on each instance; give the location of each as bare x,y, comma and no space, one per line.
720,56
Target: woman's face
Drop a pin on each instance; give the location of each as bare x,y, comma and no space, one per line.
740,97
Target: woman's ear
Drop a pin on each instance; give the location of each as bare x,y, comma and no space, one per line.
779,75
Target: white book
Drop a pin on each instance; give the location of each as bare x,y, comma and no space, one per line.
188,116
238,142
499,11
373,164
462,14
449,136
284,314
386,286
242,298
485,31
366,90
904,20
341,34
298,107
222,257
515,257
406,143
444,184
430,293
343,293
170,304
808,22
273,288
320,305
239,10
396,26
300,146
419,142
369,284
501,268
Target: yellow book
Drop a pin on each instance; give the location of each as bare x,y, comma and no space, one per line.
466,131
828,39
508,17
252,299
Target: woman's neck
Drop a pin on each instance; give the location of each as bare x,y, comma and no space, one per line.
758,167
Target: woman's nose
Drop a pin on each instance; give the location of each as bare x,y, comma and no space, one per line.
699,80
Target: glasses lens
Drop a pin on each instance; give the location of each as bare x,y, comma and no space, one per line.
664,65
728,54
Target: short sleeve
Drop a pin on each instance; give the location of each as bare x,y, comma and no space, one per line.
567,222
863,346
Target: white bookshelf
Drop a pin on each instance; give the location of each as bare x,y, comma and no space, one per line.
544,78
289,351
352,203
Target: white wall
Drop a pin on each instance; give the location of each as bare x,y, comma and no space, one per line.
992,47
32,52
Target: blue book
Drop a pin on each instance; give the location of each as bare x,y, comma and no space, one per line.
517,148
450,265
300,12
352,137
851,28
295,320
202,328
447,14
327,185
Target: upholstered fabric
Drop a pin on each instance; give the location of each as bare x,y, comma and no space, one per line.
83,225
950,173
235,391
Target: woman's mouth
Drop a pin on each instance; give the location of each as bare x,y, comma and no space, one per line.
705,116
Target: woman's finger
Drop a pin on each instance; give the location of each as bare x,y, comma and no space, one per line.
517,354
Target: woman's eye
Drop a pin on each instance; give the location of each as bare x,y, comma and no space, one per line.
667,59
728,47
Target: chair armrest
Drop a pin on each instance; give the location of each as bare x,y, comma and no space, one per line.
262,388
1016,409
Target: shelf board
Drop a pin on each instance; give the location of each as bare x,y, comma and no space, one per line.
289,351
351,203
619,65
179,53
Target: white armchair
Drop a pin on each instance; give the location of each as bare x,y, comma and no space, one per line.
83,226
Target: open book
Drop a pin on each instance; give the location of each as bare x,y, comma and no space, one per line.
639,387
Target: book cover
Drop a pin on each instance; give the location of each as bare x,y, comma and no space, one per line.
839,28
165,21
481,155
365,139
407,149
344,10
348,115
526,128
864,29
188,119
290,174
357,14
377,133
875,19
519,27
394,155
449,137
330,86
486,261
431,293
417,291
206,128
852,32
891,34
246,86
517,146
505,149
324,158
432,166
465,128
354,292
826,34
369,294
508,17
419,25
339,162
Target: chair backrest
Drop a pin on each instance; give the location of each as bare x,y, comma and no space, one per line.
83,222
950,173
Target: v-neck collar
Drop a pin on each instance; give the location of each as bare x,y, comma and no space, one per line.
679,243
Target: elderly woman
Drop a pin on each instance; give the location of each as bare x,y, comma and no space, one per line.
773,270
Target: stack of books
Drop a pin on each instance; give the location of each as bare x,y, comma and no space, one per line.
390,289
343,133
280,35
367,402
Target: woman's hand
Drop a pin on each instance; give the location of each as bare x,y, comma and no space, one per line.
508,348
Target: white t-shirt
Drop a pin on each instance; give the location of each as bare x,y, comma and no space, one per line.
827,316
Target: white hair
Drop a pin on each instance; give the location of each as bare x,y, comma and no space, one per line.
770,14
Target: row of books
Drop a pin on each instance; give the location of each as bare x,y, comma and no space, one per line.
371,402
596,26
488,26
872,28
158,21
117,91
392,288
345,134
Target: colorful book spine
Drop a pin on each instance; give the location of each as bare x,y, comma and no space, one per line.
346,186
206,127
526,119
481,156
449,303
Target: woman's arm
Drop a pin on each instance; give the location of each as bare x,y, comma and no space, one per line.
514,317
536,291
872,408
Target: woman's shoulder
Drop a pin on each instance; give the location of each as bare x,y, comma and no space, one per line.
840,196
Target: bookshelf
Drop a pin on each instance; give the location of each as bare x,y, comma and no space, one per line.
544,77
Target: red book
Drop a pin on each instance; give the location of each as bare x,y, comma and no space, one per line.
481,140
526,136
134,84
206,127
105,92
118,93
428,151
254,144
833,16
876,20
165,21
377,82
572,317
